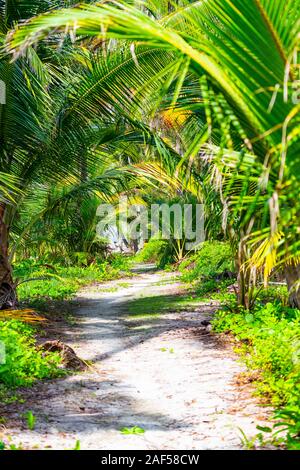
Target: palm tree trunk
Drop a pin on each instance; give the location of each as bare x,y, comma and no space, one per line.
292,275
243,278
246,277
7,290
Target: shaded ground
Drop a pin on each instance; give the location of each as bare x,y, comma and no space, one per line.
164,373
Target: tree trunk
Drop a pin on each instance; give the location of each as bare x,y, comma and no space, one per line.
246,278
242,279
292,275
7,290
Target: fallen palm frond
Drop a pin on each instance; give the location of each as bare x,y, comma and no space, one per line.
24,315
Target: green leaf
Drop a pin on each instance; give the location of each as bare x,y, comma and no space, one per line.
77,445
133,430
249,318
264,428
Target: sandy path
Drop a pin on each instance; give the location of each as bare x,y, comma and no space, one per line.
184,399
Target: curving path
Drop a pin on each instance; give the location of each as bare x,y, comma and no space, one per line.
165,374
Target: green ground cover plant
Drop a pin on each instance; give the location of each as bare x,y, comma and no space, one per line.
57,282
152,252
212,259
23,364
268,341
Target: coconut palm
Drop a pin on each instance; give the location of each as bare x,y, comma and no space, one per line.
42,141
25,107
85,138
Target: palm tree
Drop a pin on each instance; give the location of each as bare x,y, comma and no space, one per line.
246,55
26,107
41,141
82,139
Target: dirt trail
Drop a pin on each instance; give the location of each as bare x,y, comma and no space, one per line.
161,374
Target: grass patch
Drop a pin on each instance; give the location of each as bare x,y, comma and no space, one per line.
108,290
143,316
133,430
145,307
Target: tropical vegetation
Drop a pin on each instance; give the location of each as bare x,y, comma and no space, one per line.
184,101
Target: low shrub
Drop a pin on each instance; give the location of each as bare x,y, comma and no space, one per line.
214,289
22,363
212,259
118,262
152,252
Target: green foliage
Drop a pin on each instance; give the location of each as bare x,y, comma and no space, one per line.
212,259
289,423
60,282
250,444
274,292
152,252
170,350
133,430
269,343
77,445
251,179
118,262
23,362
30,420
214,289
221,49
10,446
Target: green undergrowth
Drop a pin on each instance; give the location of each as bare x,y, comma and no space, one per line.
56,282
210,289
21,362
209,272
152,252
268,341
266,338
213,259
